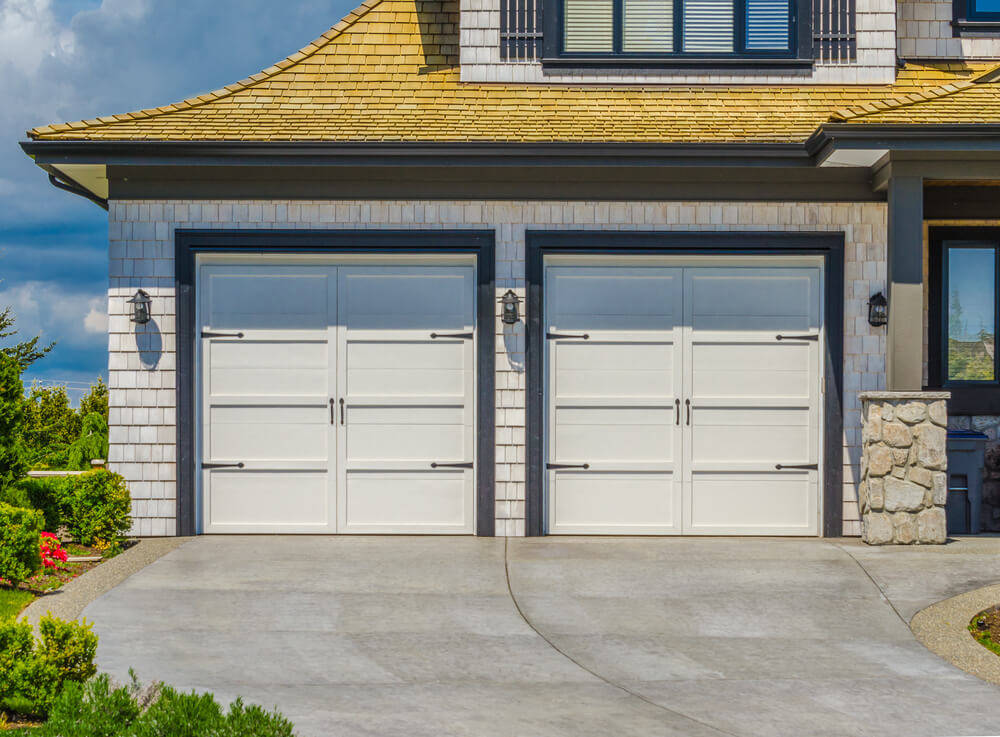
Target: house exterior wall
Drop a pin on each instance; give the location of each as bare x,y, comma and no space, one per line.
925,32
875,63
142,364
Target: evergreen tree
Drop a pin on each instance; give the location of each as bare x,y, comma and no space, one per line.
96,400
13,463
25,352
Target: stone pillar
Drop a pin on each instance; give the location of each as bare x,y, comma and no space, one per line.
904,459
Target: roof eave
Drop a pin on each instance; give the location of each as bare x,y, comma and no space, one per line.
315,153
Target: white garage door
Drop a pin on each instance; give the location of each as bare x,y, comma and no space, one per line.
337,399
683,399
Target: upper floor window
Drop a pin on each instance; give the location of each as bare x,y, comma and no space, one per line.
676,29
976,15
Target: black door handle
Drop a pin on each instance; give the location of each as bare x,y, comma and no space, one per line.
557,466
677,412
333,418
221,335
451,465
687,408
341,410
222,465
801,466
560,336
463,336
796,337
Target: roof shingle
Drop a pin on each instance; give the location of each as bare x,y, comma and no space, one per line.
389,72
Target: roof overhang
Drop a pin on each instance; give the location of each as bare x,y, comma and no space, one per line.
857,144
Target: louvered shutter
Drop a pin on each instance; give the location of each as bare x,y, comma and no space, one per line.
648,26
588,25
708,26
767,25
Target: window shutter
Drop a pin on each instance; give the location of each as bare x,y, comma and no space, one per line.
589,25
767,24
708,26
648,26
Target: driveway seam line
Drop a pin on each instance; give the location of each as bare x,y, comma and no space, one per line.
876,584
581,666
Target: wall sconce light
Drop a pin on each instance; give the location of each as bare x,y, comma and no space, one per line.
140,307
878,310
510,301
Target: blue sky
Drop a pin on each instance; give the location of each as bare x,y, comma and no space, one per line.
73,59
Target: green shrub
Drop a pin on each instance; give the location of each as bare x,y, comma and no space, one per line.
35,672
50,496
101,709
99,508
19,540
95,709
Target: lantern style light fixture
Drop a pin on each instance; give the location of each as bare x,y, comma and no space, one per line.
878,310
510,301
140,307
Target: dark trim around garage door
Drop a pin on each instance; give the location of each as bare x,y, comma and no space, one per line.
828,245
481,243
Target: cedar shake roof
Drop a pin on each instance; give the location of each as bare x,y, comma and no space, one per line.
389,72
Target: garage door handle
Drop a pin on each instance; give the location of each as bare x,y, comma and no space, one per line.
677,412
221,335
561,336
463,336
222,465
800,466
796,337
559,466
451,465
687,408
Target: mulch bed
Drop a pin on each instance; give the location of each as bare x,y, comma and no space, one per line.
985,628
50,579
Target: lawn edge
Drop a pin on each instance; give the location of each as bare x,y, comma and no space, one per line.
943,629
69,600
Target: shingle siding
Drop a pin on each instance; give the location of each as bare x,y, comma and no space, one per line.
143,397
875,63
925,32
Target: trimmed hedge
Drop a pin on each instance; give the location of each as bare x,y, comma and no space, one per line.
33,672
100,508
94,507
20,532
50,496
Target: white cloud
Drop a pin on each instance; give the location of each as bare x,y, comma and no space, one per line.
96,320
71,318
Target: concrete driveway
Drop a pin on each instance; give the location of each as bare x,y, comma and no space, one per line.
541,637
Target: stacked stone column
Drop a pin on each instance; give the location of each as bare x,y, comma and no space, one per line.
904,461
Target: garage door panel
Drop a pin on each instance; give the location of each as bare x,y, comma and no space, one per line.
612,502
267,301
404,368
407,433
268,367
751,299
612,298
753,503
752,434
409,399
266,499
614,434
732,369
414,298
606,369
269,432
432,501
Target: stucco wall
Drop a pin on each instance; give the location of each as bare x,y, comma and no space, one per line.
875,63
143,420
